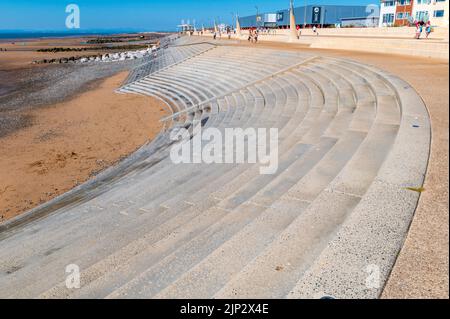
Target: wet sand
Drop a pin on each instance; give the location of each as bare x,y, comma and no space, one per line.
24,85
67,143
22,52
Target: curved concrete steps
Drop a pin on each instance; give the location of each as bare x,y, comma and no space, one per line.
351,140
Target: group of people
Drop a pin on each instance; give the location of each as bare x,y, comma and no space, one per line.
419,29
299,31
267,31
253,35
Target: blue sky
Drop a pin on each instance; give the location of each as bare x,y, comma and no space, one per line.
145,15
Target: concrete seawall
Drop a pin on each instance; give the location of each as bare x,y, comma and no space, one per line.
399,41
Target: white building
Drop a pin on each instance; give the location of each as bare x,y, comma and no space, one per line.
387,13
399,12
434,10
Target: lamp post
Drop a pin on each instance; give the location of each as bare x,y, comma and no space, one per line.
257,16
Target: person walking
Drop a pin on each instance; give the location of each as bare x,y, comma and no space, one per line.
256,36
299,32
428,29
418,31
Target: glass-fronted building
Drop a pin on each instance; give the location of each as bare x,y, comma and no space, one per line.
325,15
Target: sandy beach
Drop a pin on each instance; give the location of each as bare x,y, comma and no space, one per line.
26,85
67,143
62,124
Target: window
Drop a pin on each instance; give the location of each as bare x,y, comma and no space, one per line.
403,15
438,13
404,2
389,3
424,1
388,18
421,15
440,0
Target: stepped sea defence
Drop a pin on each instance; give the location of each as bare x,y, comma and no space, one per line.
329,221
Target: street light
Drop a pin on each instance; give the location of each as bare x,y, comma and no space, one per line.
257,15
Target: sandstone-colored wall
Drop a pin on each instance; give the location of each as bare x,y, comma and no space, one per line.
394,40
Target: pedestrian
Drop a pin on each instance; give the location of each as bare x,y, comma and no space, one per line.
418,30
428,29
256,36
299,32
250,35
214,35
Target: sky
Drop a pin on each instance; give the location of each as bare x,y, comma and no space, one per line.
141,15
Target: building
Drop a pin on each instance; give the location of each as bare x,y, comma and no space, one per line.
406,12
321,15
436,11
403,12
387,13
